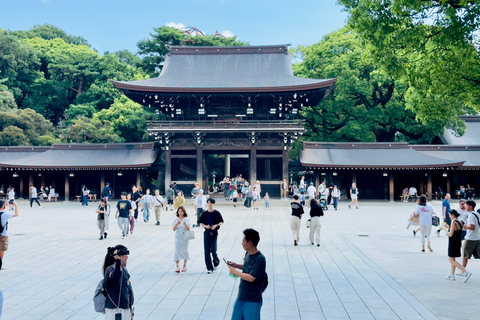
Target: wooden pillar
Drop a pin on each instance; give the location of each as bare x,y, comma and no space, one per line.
448,183
30,182
200,168
421,187
316,172
43,179
102,183
354,179
285,164
227,165
21,184
168,169
253,165
67,187
429,185
391,187
138,183
113,185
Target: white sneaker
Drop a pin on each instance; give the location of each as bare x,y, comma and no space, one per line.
467,276
459,273
450,277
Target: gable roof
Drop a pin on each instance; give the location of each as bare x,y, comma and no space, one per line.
80,156
227,70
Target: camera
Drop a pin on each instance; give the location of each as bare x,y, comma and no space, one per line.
123,252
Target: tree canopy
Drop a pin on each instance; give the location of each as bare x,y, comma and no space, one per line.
154,49
433,45
366,104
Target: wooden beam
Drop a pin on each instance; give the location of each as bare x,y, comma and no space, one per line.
391,187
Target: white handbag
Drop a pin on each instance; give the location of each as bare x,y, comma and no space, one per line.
188,235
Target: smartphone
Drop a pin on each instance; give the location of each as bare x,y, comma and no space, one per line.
226,262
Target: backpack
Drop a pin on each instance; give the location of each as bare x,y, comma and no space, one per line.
100,297
265,282
1,226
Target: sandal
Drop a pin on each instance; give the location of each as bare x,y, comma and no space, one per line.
177,271
184,269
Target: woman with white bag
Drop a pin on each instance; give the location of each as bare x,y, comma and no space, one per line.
181,224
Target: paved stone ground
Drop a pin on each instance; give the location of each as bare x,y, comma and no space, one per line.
368,267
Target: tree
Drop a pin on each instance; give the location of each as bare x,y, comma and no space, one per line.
128,118
433,45
19,65
49,32
87,130
366,104
34,128
155,48
7,100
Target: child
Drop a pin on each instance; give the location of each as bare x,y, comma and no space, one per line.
255,198
302,199
266,199
235,197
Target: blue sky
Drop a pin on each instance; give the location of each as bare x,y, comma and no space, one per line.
119,24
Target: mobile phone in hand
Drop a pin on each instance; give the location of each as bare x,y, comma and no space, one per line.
226,262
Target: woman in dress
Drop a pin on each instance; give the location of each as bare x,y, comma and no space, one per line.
258,188
179,200
255,196
181,224
425,211
117,281
454,246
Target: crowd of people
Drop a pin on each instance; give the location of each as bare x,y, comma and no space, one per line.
460,225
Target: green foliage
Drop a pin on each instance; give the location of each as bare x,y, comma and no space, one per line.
366,103
90,130
25,127
432,45
155,48
49,32
7,100
79,110
128,119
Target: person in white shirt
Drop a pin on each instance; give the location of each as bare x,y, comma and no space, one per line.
157,205
412,194
201,202
324,191
4,217
311,191
302,184
425,211
11,198
335,196
472,239
51,193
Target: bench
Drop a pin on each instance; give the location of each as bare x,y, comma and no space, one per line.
458,196
54,197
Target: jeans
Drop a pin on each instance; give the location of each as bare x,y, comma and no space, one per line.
84,200
199,214
246,310
335,202
210,249
146,211
267,204
123,225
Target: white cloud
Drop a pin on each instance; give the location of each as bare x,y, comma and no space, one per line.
227,33
179,26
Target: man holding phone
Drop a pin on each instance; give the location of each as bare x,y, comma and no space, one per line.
252,283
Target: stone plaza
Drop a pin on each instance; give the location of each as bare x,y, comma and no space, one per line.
369,266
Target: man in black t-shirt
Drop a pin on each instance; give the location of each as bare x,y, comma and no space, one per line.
124,214
211,220
296,219
249,300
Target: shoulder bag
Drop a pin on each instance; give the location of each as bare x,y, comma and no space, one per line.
188,235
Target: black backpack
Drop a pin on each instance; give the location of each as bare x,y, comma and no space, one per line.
1,226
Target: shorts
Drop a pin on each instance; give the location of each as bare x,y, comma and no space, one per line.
3,243
354,196
169,201
471,247
10,201
235,199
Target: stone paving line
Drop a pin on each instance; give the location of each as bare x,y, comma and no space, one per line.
368,266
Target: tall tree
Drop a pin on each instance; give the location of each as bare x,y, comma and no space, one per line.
155,48
366,104
433,45
49,32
